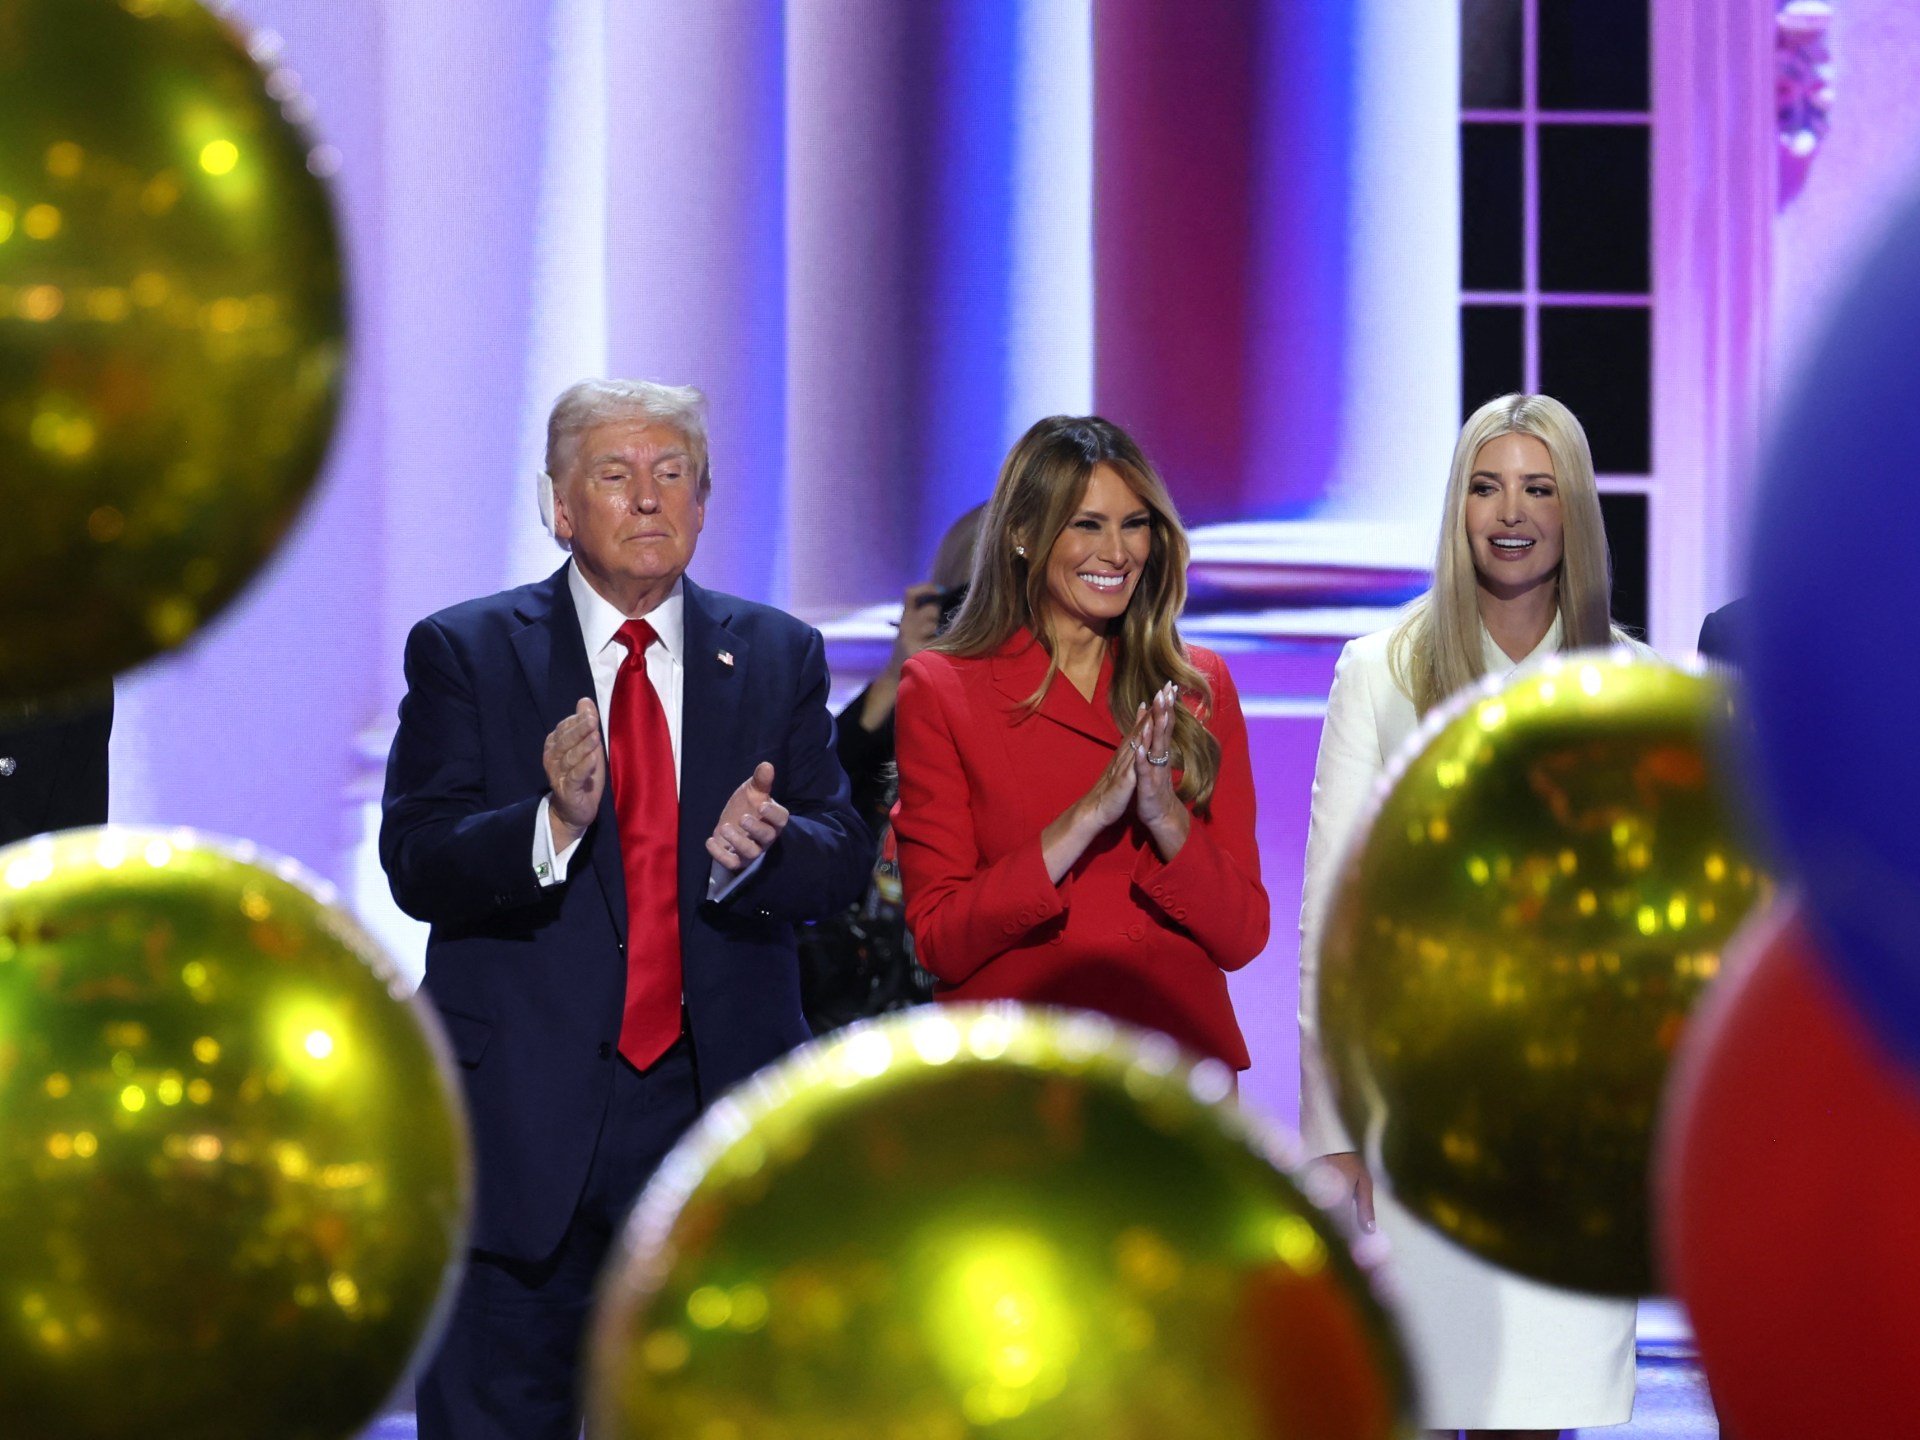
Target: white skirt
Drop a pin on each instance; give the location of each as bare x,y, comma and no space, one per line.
1493,1351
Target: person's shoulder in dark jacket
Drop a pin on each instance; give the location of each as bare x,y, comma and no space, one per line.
53,767
1723,633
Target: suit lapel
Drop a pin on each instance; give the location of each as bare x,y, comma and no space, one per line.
714,718
553,659
1020,665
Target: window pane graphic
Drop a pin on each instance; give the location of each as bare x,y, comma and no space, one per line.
1593,54
1598,360
1593,209
1490,207
1490,39
1492,353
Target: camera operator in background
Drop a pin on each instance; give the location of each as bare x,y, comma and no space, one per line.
860,962
865,741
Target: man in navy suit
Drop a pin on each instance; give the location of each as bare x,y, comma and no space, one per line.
612,794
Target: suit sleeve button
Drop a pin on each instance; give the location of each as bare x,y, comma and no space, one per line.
1026,917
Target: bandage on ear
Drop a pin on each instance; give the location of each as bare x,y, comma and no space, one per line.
543,496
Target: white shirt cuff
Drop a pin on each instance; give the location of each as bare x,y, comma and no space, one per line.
548,867
722,882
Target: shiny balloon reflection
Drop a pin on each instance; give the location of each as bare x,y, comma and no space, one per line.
1517,941
171,331
967,1220
233,1171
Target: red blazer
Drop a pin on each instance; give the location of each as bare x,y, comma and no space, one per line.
981,776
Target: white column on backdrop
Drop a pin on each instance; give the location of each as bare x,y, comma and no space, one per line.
1713,228
892,324
695,279
465,99
1050,319
1402,365
567,333
849,281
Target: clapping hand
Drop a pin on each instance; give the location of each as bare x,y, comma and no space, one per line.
1358,1183
1134,780
749,823
1152,755
575,758
1154,800
1113,792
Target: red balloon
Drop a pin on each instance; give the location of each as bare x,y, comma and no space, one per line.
1789,1169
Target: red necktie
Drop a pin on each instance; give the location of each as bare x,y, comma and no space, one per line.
646,801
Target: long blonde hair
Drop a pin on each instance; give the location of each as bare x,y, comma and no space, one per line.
1435,649
1042,484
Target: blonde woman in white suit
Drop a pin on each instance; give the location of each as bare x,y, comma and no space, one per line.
1521,572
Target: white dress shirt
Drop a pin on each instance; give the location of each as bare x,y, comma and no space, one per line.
600,622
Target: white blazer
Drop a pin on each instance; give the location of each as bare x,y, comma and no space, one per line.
1369,718
1492,1351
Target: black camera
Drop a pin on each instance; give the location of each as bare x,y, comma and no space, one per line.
949,600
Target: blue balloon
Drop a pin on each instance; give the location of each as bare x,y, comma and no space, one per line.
1833,665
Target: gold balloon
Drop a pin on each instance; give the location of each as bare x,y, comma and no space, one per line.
171,331
986,1219
233,1169
1536,903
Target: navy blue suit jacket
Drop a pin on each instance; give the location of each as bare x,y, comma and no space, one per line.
530,980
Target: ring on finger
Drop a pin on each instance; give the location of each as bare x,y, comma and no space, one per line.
1160,759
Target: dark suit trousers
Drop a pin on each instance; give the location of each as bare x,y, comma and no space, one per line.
509,1364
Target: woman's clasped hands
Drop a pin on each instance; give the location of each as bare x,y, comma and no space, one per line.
1139,779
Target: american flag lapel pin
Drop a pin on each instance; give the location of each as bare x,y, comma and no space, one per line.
726,657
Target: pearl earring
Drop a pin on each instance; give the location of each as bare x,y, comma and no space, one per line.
1021,551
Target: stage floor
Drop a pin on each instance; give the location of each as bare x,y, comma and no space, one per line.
1672,1402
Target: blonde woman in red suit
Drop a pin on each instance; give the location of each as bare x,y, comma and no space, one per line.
1076,801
